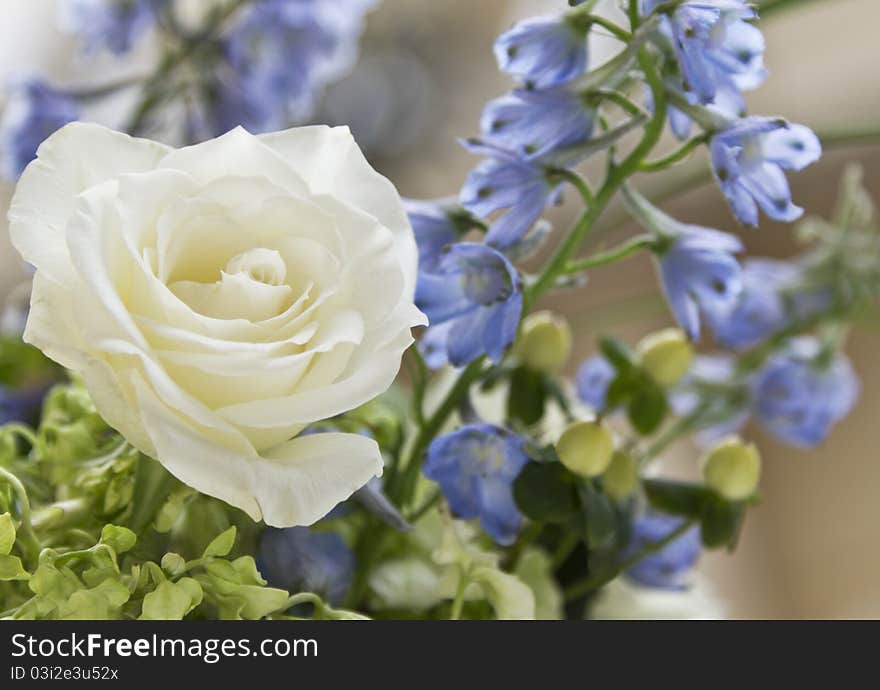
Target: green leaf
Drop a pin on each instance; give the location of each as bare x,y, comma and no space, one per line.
222,544
7,533
648,406
546,492
171,600
527,397
11,568
677,498
120,539
600,516
721,522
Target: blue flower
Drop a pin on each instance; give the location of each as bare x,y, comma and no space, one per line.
592,381
717,48
761,308
543,51
436,226
475,466
303,560
112,24
801,393
699,273
33,112
507,182
667,568
280,56
21,404
534,123
473,301
748,160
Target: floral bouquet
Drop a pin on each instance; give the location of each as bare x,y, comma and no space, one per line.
205,411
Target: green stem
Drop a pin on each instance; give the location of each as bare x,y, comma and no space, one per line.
566,546
458,602
676,156
578,182
429,503
156,86
402,490
612,255
613,182
591,584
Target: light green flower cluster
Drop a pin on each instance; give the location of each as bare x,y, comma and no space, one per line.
92,529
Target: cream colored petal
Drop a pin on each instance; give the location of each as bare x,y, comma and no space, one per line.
331,163
73,159
299,482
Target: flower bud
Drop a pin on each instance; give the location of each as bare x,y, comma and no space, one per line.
622,476
666,355
586,448
545,342
733,469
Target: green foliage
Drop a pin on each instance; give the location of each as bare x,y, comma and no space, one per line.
634,388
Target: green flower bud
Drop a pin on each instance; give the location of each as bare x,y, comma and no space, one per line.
545,342
666,355
622,476
733,469
586,448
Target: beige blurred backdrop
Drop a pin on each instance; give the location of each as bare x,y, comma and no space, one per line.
812,548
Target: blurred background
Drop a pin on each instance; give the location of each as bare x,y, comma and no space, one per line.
812,549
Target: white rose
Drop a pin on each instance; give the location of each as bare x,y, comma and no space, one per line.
218,298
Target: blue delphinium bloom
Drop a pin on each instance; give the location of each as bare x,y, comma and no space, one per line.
543,51
761,308
717,48
505,181
473,300
436,226
279,57
33,112
303,560
699,273
667,568
112,24
534,123
801,393
475,466
21,404
748,160
592,381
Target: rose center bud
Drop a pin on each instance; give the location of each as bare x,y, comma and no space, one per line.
263,265
252,286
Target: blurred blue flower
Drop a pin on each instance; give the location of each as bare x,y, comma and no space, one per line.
801,393
436,225
699,273
592,381
543,51
303,560
473,300
504,181
279,57
761,308
707,377
748,160
475,466
667,568
534,123
21,404
33,111
112,24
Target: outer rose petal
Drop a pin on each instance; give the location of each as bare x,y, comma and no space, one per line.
330,161
296,483
76,157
